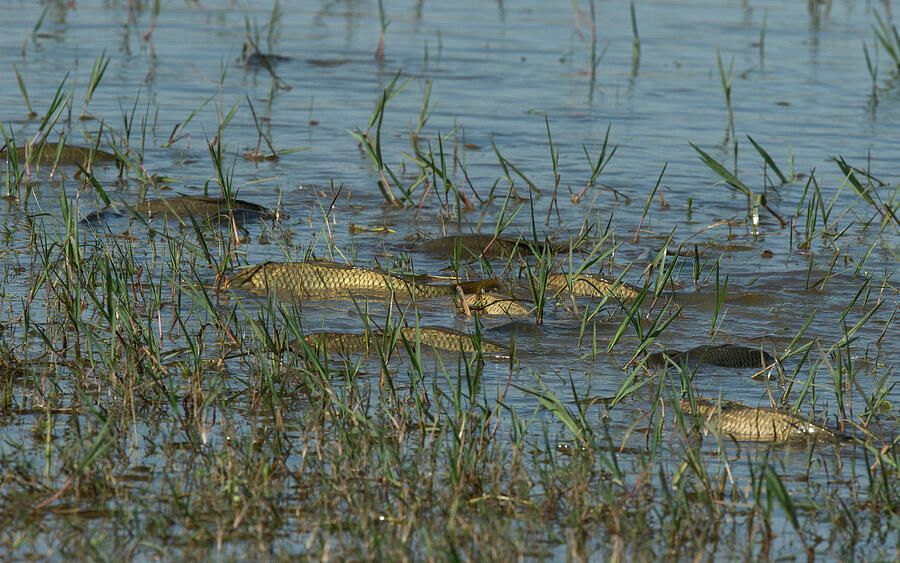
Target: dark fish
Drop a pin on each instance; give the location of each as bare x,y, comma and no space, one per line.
251,56
757,424
724,355
263,59
321,278
487,246
69,155
428,336
328,62
201,208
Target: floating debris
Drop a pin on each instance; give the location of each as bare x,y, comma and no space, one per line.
322,278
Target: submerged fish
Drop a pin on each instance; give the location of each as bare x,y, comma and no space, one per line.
251,56
496,304
321,278
183,207
592,285
487,246
263,59
429,336
68,155
724,355
757,424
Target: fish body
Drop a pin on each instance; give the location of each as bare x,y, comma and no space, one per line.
322,278
487,246
184,207
592,285
755,424
434,337
724,355
68,155
496,304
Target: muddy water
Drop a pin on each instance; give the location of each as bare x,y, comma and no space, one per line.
496,71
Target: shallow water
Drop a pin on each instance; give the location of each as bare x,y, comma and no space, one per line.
496,72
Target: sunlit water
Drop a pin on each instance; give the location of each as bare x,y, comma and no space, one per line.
499,73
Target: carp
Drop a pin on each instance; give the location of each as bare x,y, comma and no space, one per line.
754,424
322,278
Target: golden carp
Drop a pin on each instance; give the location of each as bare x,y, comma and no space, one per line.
322,278
496,304
592,285
756,424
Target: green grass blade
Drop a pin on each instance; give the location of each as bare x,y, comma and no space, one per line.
768,160
729,178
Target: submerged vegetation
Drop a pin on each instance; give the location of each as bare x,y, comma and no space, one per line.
486,370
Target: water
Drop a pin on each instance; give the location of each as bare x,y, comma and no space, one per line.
504,73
